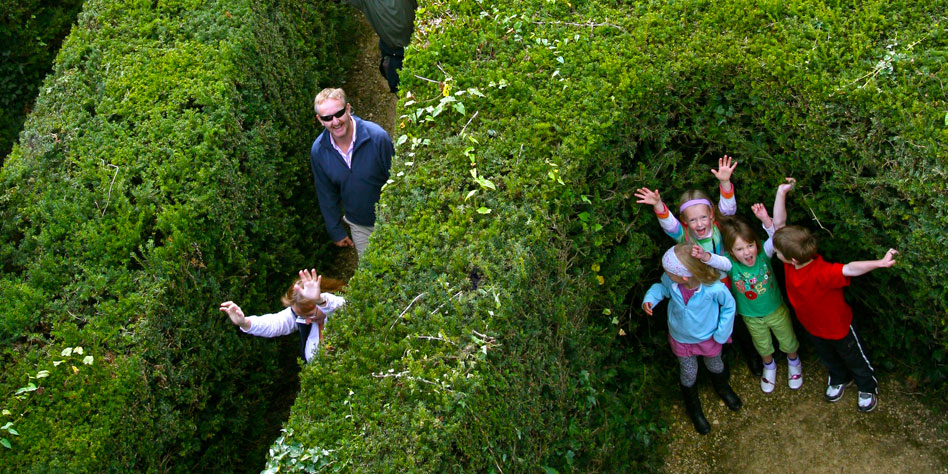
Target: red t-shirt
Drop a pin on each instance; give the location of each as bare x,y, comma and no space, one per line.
816,293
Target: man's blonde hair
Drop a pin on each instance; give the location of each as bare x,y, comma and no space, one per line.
329,93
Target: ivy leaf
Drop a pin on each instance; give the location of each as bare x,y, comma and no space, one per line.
483,210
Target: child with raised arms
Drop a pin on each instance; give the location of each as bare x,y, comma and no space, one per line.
815,289
757,294
700,320
306,310
699,226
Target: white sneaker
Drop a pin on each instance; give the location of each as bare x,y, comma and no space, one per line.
795,376
867,402
835,392
769,379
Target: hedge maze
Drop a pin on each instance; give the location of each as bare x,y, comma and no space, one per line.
493,324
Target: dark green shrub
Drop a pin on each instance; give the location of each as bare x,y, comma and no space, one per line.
162,171
501,331
31,33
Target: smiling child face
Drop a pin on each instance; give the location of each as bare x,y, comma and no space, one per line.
698,218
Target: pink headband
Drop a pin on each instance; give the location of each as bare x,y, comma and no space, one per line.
694,202
672,265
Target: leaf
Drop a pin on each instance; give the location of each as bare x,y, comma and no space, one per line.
28,388
74,369
946,119
57,362
6,426
87,360
622,332
42,374
483,210
470,194
66,352
401,139
6,443
459,107
78,350
6,412
13,432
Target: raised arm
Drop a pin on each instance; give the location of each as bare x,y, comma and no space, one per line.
727,204
669,223
712,260
853,269
780,203
236,315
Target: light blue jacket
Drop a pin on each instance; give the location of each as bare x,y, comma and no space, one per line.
709,313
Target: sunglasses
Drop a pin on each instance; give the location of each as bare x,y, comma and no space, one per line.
338,114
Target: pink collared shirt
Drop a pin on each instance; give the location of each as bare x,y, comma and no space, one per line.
347,157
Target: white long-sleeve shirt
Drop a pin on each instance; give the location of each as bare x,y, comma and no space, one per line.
284,322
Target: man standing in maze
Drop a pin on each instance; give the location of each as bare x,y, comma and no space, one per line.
350,160
394,22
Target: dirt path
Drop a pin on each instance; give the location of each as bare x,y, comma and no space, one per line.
798,431
368,93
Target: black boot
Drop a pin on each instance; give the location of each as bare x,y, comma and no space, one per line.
693,408
723,388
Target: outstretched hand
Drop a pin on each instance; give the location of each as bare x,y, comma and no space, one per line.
889,259
726,167
760,212
309,286
786,187
647,196
236,314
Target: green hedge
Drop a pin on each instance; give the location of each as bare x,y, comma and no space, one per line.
501,331
31,33
162,171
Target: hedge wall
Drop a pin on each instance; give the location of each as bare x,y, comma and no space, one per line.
162,171
494,323
31,33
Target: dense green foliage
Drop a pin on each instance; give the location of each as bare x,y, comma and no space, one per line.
162,171
501,331
30,34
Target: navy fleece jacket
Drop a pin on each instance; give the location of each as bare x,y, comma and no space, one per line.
356,190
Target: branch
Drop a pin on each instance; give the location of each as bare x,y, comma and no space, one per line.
406,309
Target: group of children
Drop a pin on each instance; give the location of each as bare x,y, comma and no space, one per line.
717,270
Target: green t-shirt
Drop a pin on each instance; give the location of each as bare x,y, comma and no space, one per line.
755,288
393,20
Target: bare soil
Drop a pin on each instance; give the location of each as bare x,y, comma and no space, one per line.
798,431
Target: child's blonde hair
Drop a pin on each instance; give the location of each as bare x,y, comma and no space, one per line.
733,227
699,270
294,297
691,195
796,243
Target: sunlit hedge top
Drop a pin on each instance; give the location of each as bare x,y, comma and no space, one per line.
494,323
162,171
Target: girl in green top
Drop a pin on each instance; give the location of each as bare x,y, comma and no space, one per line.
757,293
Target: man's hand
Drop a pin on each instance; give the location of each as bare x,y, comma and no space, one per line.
346,242
236,314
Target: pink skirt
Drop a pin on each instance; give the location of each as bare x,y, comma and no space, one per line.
709,348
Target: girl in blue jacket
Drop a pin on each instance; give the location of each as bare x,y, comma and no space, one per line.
700,320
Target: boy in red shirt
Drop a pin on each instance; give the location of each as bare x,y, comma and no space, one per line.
815,289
